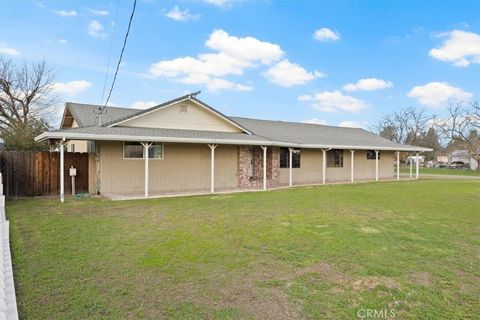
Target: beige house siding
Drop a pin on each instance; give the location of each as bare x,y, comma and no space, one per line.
310,170
184,167
172,117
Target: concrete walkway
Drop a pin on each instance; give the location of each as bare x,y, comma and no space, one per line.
443,176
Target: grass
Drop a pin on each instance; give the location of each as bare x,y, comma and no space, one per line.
411,248
458,172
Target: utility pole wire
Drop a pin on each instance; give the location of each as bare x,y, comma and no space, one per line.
101,110
110,51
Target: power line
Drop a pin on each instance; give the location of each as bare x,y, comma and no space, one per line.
102,109
110,52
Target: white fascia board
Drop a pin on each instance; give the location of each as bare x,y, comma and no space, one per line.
111,137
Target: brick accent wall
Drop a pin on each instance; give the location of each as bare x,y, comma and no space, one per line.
251,175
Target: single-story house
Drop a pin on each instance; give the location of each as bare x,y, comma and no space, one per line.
192,147
462,157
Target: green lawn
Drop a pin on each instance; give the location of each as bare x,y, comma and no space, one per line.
459,172
410,247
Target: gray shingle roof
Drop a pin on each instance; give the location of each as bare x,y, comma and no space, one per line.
85,116
266,132
306,133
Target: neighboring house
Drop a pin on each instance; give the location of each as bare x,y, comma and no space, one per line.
192,147
442,158
462,157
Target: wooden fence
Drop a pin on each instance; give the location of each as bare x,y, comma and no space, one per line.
28,173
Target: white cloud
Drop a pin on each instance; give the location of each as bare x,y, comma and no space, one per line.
218,3
326,34
102,13
316,121
179,15
352,124
459,47
62,41
143,104
287,74
71,88
66,13
438,94
369,84
95,29
333,101
233,55
245,49
9,51
213,84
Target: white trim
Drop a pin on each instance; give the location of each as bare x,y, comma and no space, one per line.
177,102
290,166
212,167
376,164
112,137
417,173
146,147
398,165
143,156
62,170
352,164
264,148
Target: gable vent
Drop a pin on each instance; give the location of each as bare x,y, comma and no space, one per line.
183,108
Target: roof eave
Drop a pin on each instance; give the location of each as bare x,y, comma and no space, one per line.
111,137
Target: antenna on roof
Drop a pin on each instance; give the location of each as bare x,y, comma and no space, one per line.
194,94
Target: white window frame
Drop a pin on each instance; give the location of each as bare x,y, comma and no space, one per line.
143,158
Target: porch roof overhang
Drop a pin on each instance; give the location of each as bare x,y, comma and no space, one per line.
95,133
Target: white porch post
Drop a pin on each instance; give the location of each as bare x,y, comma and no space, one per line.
324,166
264,148
417,174
290,166
212,167
62,171
376,165
398,165
352,152
411,165
146,146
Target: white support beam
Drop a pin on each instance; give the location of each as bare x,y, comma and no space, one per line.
290,166
324,166
398,165
61,147
212,167
146,146
264,148
376,165
352,165
411,165
417,174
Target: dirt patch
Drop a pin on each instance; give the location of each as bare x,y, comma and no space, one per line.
422,278
369,230
327,272
371,282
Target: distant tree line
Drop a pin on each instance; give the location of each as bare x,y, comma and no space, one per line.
459,130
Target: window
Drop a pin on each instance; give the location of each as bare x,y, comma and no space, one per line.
134,150
371,155
335,158
285,158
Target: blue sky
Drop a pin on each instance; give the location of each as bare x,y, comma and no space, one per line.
333,62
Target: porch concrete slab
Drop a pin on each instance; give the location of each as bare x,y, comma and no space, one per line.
219,191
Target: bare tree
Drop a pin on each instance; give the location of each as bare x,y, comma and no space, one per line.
404,126
462,126
26,98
